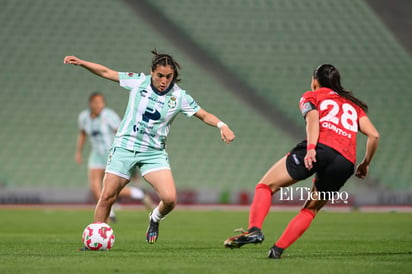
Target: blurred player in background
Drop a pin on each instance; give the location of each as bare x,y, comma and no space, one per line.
100,124
154,101
333,117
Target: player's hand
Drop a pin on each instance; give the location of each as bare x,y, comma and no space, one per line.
72,60
78,158
310,158
362,170
226,134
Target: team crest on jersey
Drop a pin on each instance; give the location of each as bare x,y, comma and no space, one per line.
172,102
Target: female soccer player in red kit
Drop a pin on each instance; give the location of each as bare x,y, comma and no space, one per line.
333,117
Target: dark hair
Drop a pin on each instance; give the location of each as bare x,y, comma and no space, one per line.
329,77
165,60
96,94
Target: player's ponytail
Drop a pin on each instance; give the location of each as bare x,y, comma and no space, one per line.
329,77
165,60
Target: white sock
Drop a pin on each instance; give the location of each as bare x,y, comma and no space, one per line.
112,214
156,216
136,193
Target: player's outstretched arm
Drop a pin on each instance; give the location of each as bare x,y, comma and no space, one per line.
367,128
226,133
95,68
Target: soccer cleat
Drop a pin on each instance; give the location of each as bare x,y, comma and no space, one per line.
152,232
274,253
255,237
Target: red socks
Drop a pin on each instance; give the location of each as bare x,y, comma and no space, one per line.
295,228
260,208
260,205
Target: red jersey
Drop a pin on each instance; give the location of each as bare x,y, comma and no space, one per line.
338,118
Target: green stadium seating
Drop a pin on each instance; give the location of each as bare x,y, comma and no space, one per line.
272,46
42,97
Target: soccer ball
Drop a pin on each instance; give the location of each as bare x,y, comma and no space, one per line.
98,236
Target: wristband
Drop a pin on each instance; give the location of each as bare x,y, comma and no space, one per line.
220,124
310,146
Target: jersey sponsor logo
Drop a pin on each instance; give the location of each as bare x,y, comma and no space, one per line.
95,133
295,159
151,98
151,114
142,127
143,93
172,102
336,129
156,100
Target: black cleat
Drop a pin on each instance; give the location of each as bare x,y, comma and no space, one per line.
152,232
255,237
275,252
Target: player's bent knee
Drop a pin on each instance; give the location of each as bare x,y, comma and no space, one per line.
170,203
315,205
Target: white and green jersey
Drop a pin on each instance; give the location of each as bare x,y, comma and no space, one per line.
101,129
149,113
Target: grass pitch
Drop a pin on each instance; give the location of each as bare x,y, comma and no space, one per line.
46,241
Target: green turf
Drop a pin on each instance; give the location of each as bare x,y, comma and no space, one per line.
45,241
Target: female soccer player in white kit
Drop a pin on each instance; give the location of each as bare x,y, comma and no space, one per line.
154,101
100,123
